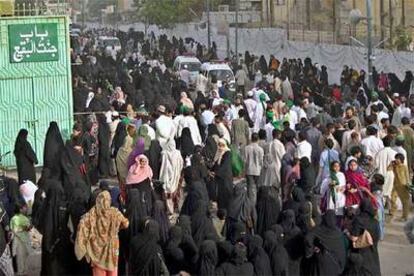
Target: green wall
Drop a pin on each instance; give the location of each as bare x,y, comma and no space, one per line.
35,80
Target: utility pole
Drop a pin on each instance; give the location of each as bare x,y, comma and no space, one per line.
288,19
382,23
208,25
369,43
334,20
237,32
403,13
391,18
308,14
83,15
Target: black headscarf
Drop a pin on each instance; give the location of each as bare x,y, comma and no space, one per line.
197,191
268,208
154,157
53,216
25,158
187,144
174,255
188,245
145,253
53,150
21,140
330,240
184,222
258,256
273,244
238,264
241,208
159,214
224,248
210,148
293,241
208,258
366,221
135,212
202,226
104,161
307,176
119,137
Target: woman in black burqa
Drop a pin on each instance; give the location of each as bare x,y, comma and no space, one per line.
202,227
74,168
208,259
174,255
238,264
196,191
25,158
273,245
188,245
52,152
258,256
104,156
223,175
186,143
325,248
268,209
241,209
293,241
159,214
366,221
57,250
146,256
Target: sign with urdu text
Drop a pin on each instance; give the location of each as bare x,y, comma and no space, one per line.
33,42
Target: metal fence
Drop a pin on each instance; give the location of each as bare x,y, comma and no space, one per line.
38,8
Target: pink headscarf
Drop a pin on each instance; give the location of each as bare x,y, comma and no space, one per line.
136,173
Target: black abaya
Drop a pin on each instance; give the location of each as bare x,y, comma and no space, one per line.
258,256
238,264
279,258
25,158
53,151
366,221
208,259
330,260
196,191
241,209
293,241
268,209
224,181
58,257
202,227
145,252
104,158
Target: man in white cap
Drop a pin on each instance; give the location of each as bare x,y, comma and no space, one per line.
165,127
251,105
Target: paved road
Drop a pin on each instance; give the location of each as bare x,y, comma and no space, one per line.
396,255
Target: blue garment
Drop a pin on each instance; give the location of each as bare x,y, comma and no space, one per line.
327,157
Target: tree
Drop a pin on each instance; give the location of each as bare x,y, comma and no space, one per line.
167,13
402,38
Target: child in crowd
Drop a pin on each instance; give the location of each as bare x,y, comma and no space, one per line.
20,226
376,189
401,186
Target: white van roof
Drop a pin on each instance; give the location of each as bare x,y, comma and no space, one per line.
187,59
207,66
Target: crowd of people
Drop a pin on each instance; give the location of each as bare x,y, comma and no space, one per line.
288,175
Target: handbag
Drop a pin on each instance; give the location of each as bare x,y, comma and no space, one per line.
363,241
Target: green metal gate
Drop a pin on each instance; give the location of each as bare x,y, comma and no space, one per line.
35,80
